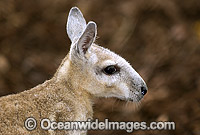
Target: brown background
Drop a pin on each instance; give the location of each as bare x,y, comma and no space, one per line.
160,38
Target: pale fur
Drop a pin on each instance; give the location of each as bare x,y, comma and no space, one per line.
68,96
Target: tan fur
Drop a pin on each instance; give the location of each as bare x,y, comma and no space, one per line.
56,98
68,96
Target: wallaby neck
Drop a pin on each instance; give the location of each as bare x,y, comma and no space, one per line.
67,78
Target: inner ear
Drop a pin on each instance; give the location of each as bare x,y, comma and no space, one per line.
87,38
86,41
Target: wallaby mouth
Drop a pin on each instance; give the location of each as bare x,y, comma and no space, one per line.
137,95
135,98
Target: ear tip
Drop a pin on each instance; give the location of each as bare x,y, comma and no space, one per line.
92,24
75,10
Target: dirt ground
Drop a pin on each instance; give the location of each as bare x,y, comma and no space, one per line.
160,38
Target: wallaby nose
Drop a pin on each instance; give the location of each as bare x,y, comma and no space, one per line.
143,90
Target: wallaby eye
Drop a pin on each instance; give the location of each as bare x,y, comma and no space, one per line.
109,70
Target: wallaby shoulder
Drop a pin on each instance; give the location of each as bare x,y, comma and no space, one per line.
51,100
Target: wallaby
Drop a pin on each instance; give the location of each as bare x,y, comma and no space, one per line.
87,71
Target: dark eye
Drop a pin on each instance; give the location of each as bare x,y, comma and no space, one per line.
109,70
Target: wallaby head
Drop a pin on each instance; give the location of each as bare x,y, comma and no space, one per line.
97,70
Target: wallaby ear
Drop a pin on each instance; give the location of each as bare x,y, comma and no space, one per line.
87,38
76,24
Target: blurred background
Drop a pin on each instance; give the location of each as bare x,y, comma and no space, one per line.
160,38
